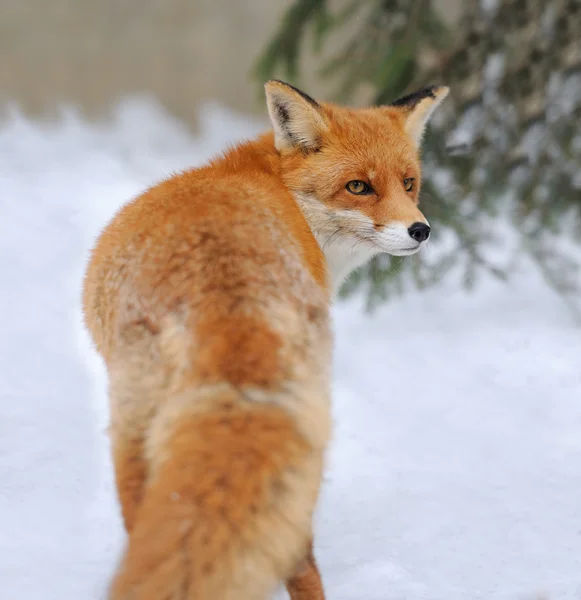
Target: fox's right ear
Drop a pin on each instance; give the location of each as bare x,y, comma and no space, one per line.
297,119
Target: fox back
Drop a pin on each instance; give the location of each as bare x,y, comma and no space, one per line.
207,297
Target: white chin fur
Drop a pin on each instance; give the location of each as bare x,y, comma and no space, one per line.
404,252
349,239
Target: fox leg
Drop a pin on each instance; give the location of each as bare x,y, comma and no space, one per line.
130,474
306,583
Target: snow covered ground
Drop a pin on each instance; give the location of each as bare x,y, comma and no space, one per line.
455,472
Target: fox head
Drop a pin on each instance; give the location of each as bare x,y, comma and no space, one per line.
354,172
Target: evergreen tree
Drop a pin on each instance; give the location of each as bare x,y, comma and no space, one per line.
504,148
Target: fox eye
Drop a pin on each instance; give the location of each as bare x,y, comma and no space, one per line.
408,184
358,187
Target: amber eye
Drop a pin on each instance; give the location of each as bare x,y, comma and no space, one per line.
358,187
408,184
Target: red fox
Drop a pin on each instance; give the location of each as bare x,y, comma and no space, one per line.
208,298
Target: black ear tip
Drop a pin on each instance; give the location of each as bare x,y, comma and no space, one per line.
275,81
411,100
278,83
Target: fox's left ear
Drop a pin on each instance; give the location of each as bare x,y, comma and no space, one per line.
298,120
418,108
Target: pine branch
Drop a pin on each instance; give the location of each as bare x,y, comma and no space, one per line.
283,50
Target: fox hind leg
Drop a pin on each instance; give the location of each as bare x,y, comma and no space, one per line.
306,583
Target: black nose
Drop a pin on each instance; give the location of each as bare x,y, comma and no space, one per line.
419,231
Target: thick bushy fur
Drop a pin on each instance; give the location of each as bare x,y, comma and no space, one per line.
208,299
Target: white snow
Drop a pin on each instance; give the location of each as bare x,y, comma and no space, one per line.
455,471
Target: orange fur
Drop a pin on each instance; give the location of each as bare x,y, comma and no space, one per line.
306,583
207,297
354,150
190,529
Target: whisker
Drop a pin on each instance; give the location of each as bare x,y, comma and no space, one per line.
333,236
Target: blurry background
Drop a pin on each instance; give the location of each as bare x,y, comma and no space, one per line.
455,467
92,53
185,52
